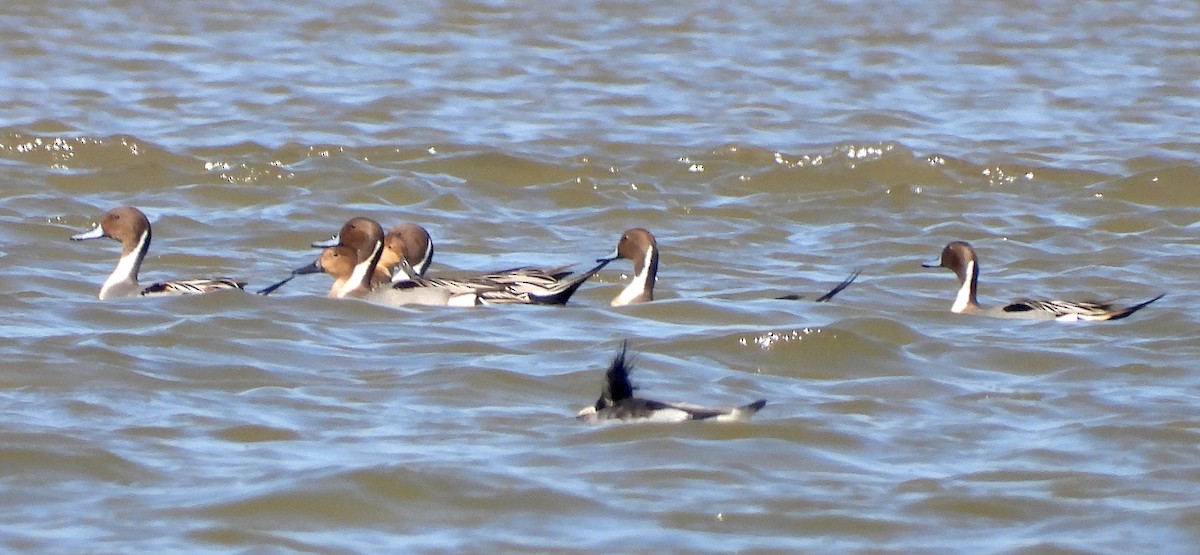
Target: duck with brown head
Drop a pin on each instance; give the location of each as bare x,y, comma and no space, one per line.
407,252
638,245
364,237
360,237
340,263
362,245
131,228
959,257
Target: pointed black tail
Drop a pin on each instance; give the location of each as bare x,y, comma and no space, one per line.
824,298
1130,310
561,293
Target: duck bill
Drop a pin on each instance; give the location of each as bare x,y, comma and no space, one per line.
96,233
615,255
331,242
314,268
600,264
937,264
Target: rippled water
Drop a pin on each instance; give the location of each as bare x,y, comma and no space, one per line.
771,150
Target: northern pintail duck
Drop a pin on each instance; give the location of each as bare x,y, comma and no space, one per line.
131,227
365,237
960,258
407,248
351,258
410,248
639,245
517,285
363,240
617,402
525,285
407,252
340,263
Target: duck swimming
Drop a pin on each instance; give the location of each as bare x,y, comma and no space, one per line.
131,228
959,257
618,402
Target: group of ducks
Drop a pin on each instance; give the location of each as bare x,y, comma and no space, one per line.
390,268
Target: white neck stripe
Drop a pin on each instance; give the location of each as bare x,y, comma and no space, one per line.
126,271
362,271
963,300
641,279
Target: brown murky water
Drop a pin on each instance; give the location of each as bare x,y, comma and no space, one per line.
771,151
